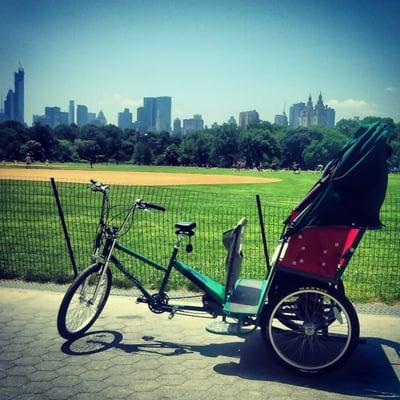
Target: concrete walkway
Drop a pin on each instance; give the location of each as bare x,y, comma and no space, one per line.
131,353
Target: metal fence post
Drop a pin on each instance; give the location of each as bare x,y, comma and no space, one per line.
64,227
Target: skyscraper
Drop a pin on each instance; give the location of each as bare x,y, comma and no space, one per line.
52,117
9,105
91,117
141,119
163,114
71,112
177,126
281,119
14,103
294,114
149,113
318,115
101,119
247,118
19,95
81,115
2,115
330,117
125,119
156,114
232,120
194,124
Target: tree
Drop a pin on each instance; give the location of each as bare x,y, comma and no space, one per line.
195,148
45,136
171,155
10,145
87,150
142,154
257,147
34,149
66,151
293,145
66,132
322,151
347,127
225,146
126,151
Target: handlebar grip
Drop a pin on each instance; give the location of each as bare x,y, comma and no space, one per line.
154,206
98,186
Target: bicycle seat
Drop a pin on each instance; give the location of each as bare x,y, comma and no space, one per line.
185,228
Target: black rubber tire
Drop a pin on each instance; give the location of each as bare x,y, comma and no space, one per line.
90,273
338,287
297,344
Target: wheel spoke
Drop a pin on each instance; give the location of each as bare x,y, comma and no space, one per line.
81,311
306,333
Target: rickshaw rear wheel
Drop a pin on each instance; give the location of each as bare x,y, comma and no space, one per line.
310,330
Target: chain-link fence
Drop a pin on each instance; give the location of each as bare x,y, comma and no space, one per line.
33,245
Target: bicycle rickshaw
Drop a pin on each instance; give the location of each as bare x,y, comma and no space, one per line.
307,323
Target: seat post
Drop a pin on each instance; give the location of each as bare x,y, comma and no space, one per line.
182,229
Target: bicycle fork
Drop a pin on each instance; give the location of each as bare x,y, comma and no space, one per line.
108,249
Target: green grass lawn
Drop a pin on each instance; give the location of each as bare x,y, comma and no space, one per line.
33,247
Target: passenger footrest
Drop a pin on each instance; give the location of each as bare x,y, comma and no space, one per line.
247,298
228,328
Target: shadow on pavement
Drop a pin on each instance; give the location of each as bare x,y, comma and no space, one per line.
369,373
99,341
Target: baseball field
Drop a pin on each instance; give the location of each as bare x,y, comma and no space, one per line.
216,198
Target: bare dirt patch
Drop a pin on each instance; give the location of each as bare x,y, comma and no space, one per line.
129,178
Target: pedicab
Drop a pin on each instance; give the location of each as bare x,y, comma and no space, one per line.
306,321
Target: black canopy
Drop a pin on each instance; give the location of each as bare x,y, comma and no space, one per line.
352,187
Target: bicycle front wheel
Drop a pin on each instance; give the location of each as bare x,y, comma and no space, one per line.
310,330
81,306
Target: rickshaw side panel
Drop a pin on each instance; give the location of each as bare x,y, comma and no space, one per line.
320,252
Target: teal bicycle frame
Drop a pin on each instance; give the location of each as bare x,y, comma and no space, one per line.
215,300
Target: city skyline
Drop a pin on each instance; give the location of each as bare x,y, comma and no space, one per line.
214,58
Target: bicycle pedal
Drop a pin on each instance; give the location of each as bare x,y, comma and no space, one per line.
141,299
172,314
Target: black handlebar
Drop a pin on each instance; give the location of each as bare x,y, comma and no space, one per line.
145,204
98,186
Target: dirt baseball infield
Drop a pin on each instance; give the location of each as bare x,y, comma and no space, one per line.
129,178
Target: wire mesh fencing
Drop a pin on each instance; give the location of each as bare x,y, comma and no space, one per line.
33,246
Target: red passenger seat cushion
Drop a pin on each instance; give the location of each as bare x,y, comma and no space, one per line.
319,250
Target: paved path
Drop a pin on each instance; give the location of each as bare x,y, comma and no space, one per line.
131,353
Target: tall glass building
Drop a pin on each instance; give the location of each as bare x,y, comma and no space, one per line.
19,95
163,114
156,114
81,115
14,103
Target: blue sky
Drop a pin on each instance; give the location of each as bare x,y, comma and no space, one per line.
214,58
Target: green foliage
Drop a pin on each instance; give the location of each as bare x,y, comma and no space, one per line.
34,149
322,151
263,144
142,154
293,144
45,136
347,127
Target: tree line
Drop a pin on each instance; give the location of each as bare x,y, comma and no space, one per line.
264,145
